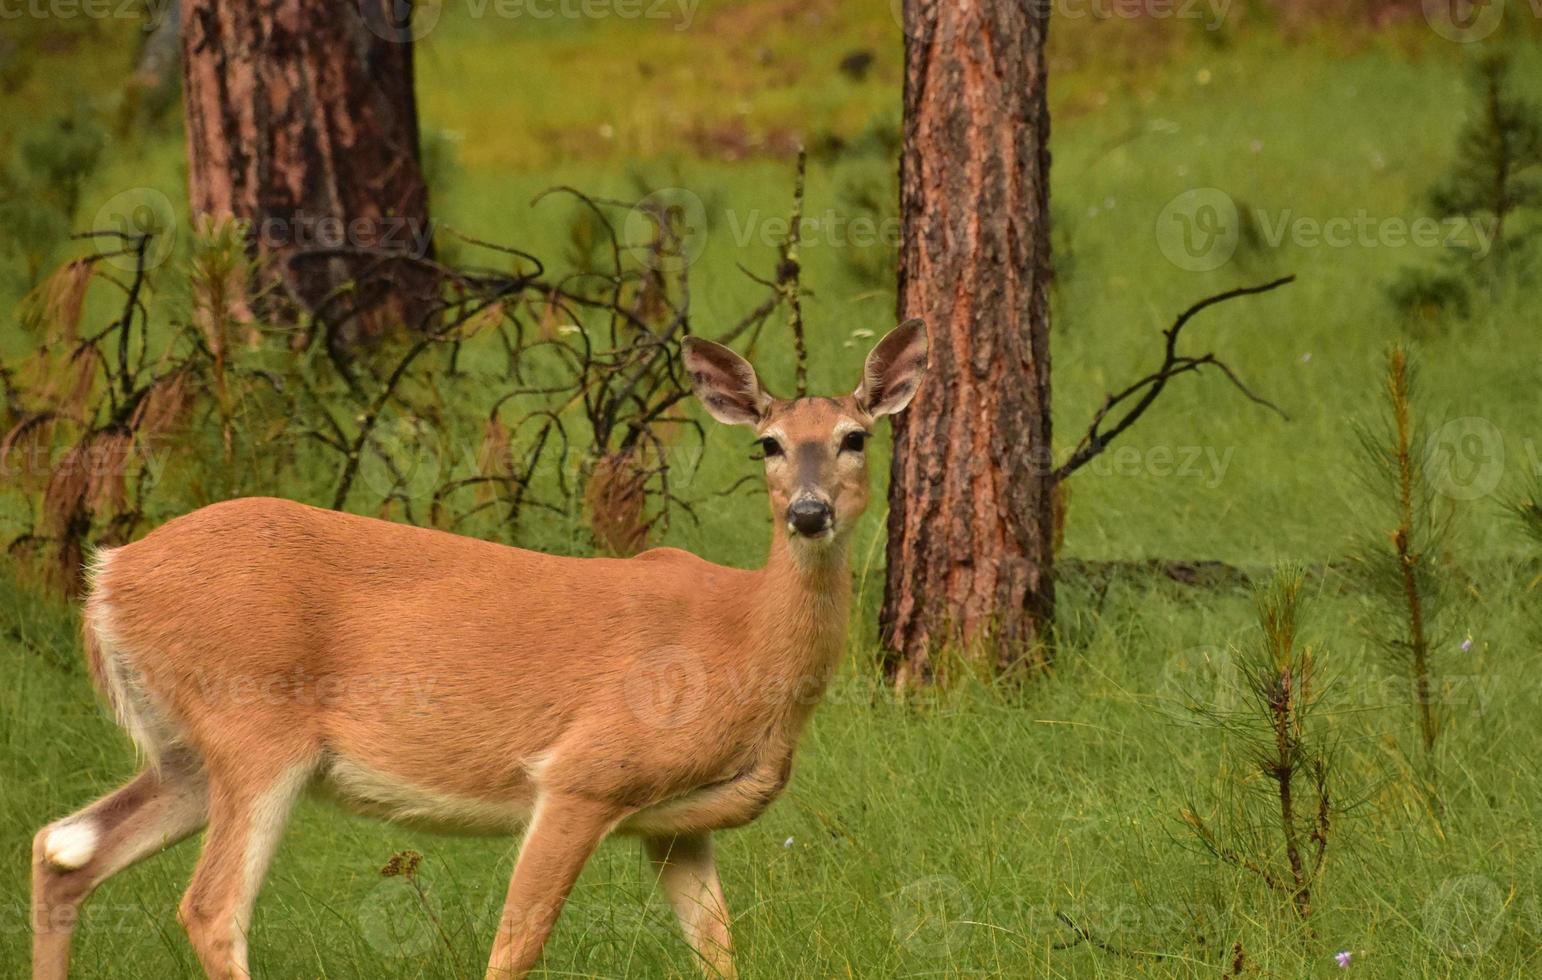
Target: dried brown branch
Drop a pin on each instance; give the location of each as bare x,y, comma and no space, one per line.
1148,388
591,378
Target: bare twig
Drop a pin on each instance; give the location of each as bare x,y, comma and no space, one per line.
1150,387
788,278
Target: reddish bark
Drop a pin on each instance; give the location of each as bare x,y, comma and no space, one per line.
301,119
971,525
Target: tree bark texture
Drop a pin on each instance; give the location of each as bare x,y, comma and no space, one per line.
971,527
302,120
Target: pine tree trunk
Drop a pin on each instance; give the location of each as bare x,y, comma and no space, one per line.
302,120
970,559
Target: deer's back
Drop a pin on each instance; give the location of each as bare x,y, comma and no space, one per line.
457,663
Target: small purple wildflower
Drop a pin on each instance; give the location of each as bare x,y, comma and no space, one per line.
1467,645
1342,958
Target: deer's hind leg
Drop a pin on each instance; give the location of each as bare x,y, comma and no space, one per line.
71,857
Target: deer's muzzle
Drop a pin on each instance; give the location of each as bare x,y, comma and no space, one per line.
810,516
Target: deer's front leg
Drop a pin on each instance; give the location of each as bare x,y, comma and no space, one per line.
688,874
563,833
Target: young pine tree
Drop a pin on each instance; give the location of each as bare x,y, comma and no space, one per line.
1498,168
1495,187
1399,560
1528,509
1280,834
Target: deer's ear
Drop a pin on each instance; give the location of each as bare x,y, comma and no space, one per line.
724,382
894,370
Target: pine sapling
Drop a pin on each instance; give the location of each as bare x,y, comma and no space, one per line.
1279,692
1527,509
1494,186
1399,561
217,278
1498,168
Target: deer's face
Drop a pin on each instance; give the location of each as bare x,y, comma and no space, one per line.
815,449
816,464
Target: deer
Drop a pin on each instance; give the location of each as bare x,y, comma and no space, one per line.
257,649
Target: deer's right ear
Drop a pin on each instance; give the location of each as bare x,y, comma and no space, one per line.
724,382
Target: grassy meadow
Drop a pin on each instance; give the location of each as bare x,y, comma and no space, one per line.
981,830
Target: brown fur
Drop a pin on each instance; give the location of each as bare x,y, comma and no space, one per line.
258,646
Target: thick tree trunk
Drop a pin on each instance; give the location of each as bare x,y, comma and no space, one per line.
302,120
970,560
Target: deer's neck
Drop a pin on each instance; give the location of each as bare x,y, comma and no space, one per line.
804,602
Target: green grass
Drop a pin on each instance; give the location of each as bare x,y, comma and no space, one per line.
942,839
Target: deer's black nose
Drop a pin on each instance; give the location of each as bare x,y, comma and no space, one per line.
810,516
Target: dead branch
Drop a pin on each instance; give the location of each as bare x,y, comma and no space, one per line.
567,387
1151,386
788,278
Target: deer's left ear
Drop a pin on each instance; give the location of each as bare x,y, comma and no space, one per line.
894,370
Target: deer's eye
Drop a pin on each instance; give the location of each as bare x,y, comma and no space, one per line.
854,442
769,447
